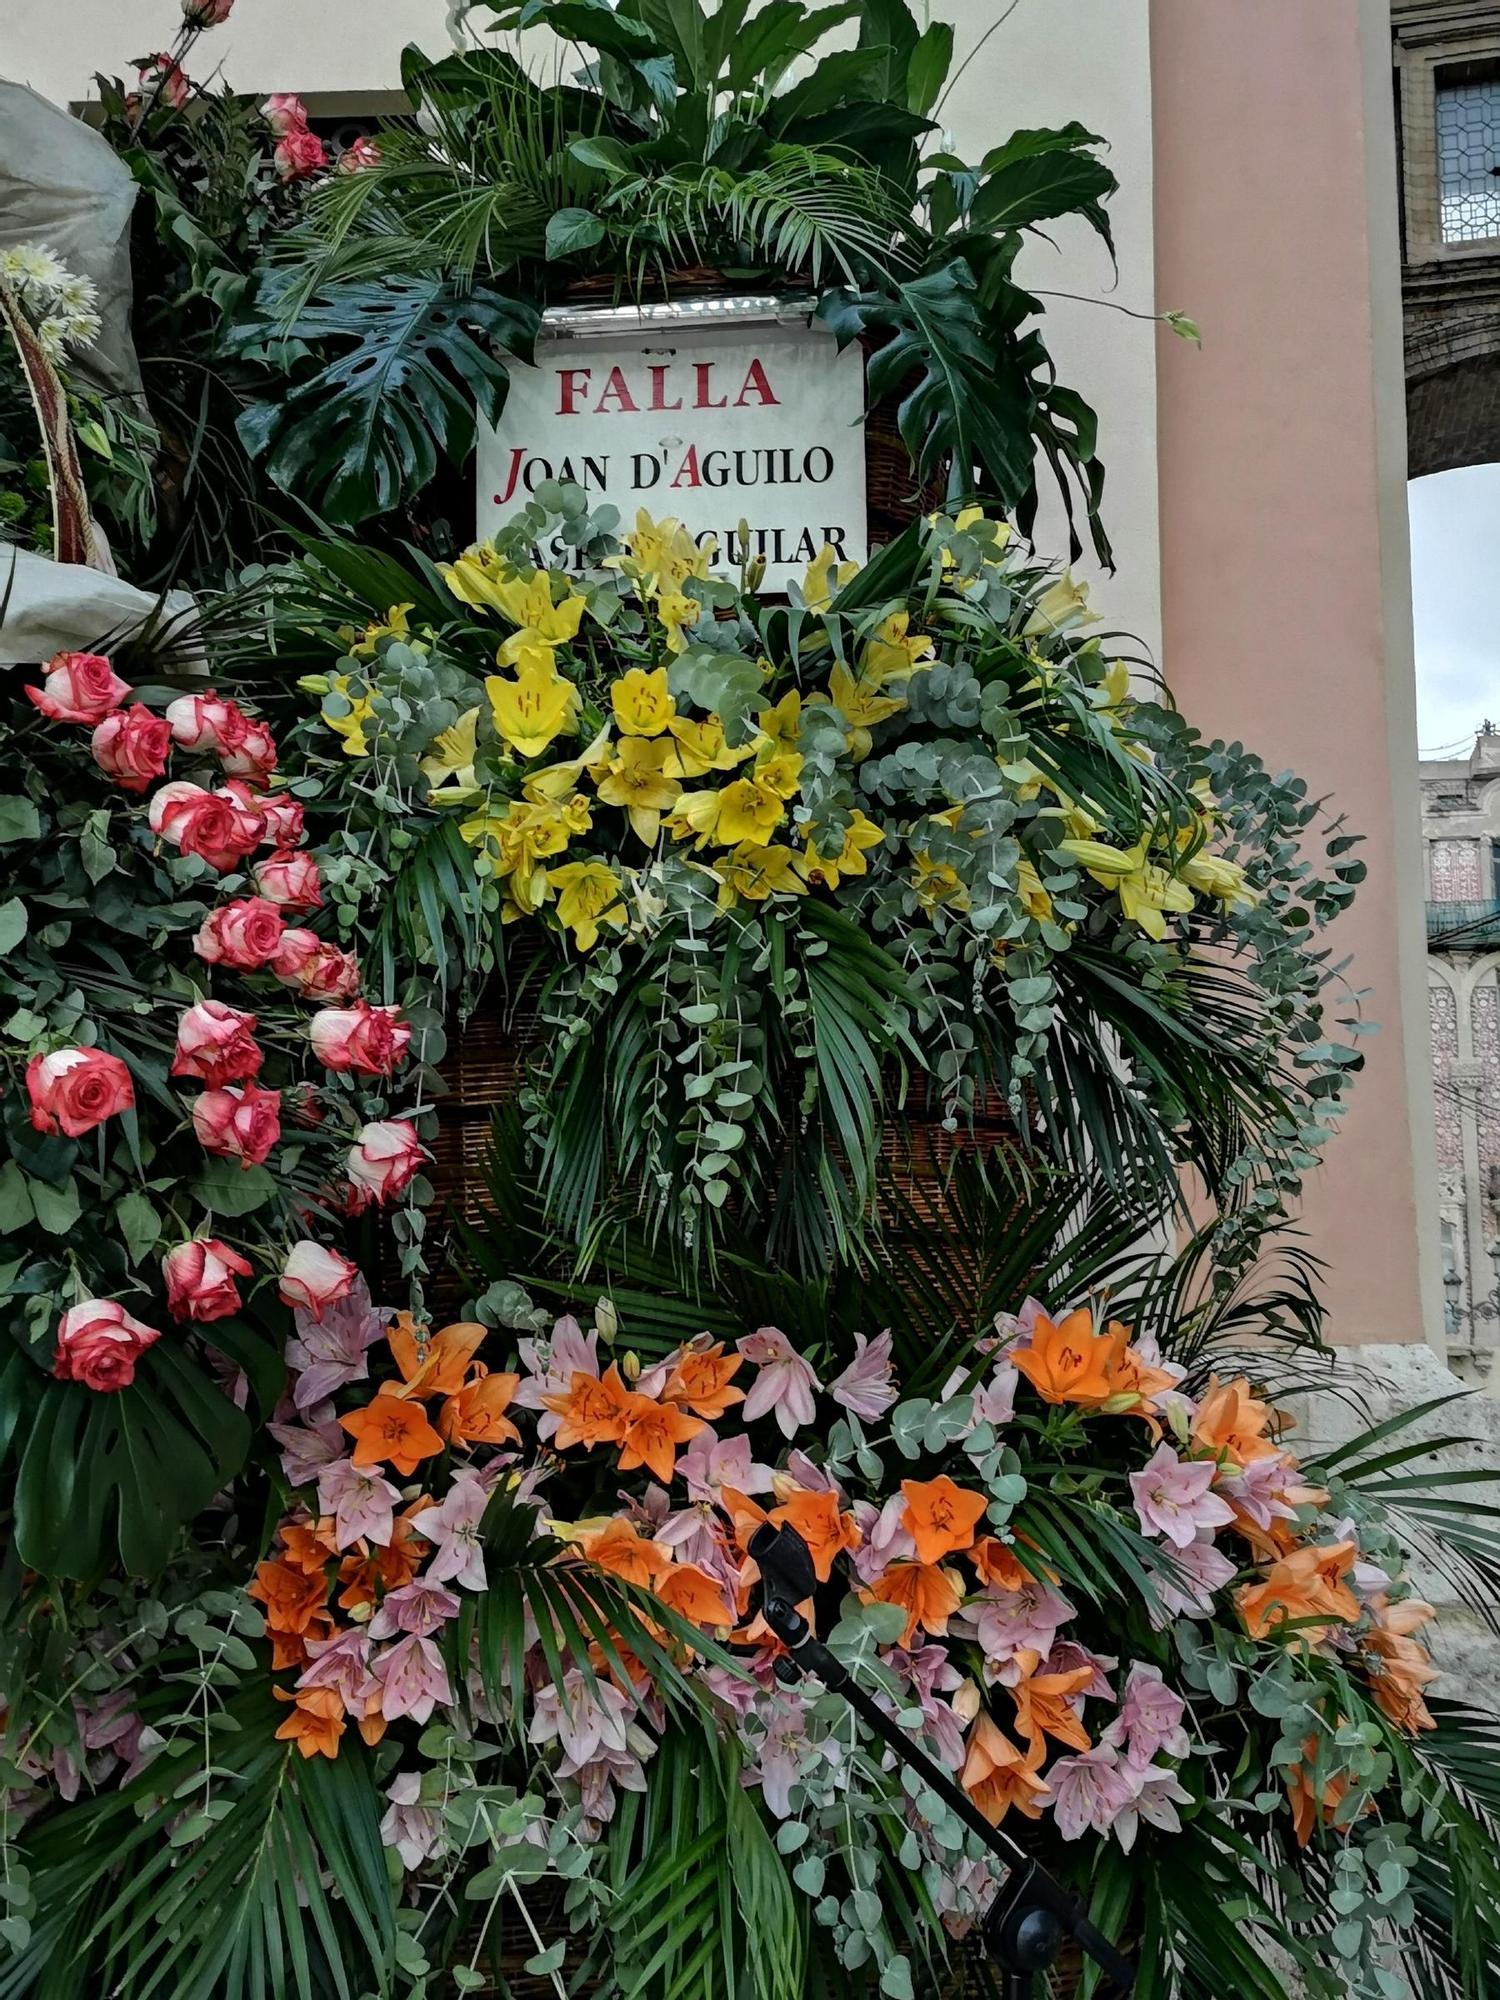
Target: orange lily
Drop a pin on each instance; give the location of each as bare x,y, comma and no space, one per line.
389,1430
625,1553
594,1410
1134,1379
826,1531
997,1562
940,1517
926,1593
1232,1423
745,1515
306,1547
696,1596
475,1414
1308,1806
441,1371
1404,1667
1042,1709
700,1381
1307,1584
316,1722
652,1434
996,1776
293,1597
1069,1362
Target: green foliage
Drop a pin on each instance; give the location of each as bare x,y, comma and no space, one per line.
676,145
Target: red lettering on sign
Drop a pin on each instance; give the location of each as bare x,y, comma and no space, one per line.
755,378
703,400
659,388
615,386
568,394
687,472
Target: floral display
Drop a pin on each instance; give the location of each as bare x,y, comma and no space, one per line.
526,1062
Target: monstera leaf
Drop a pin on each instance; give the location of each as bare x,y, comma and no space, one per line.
101,1474
364,432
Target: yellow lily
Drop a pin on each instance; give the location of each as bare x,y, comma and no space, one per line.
751,872
532,709
862,705
892,653
589,894
641,702
351,727
696,817
396,626
1033,897
779,773
637,780
748,811
824,577
701,748
1060,607
783,722
678,613
449,764
1147,892
1212,875
862,836
552,782
938,884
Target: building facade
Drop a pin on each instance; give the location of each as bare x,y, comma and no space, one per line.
1461,835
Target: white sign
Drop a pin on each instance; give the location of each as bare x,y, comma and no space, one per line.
712,425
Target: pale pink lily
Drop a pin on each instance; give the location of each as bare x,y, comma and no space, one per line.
1155,1797
785,1384
344,1664
548,1368
328,1353
412,1677
864,1388
420,1606
884,1538
412,1828
362,1503
1150,1721
1173,1500
1187,1590
1011,1622
1089,1793
308,1449
454,1529
710,1464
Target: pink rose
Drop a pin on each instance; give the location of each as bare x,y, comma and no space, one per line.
253,756
284,820
369,1040
359,154
206,721
241,1122
385,1158
317,969
284,112
73,1090
290,880
132,746
206,13
166,78
215,826
79,687
200,1279
315,1278
246,934
298,154
98,1344
216,1044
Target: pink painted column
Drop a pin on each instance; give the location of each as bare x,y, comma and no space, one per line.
1285,577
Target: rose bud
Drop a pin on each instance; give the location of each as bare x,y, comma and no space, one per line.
253,756
79,687
359,154
385,1158
245,935
73,1090
301,1105
168,78
314,1278
241,1122
216,826
210,722
284,820
317,969
206,13
290,880
216,1044
200,1279
284,112
368,1040
132,746
298,154
98,1344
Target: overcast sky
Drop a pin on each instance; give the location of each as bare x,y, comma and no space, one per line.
1455,573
